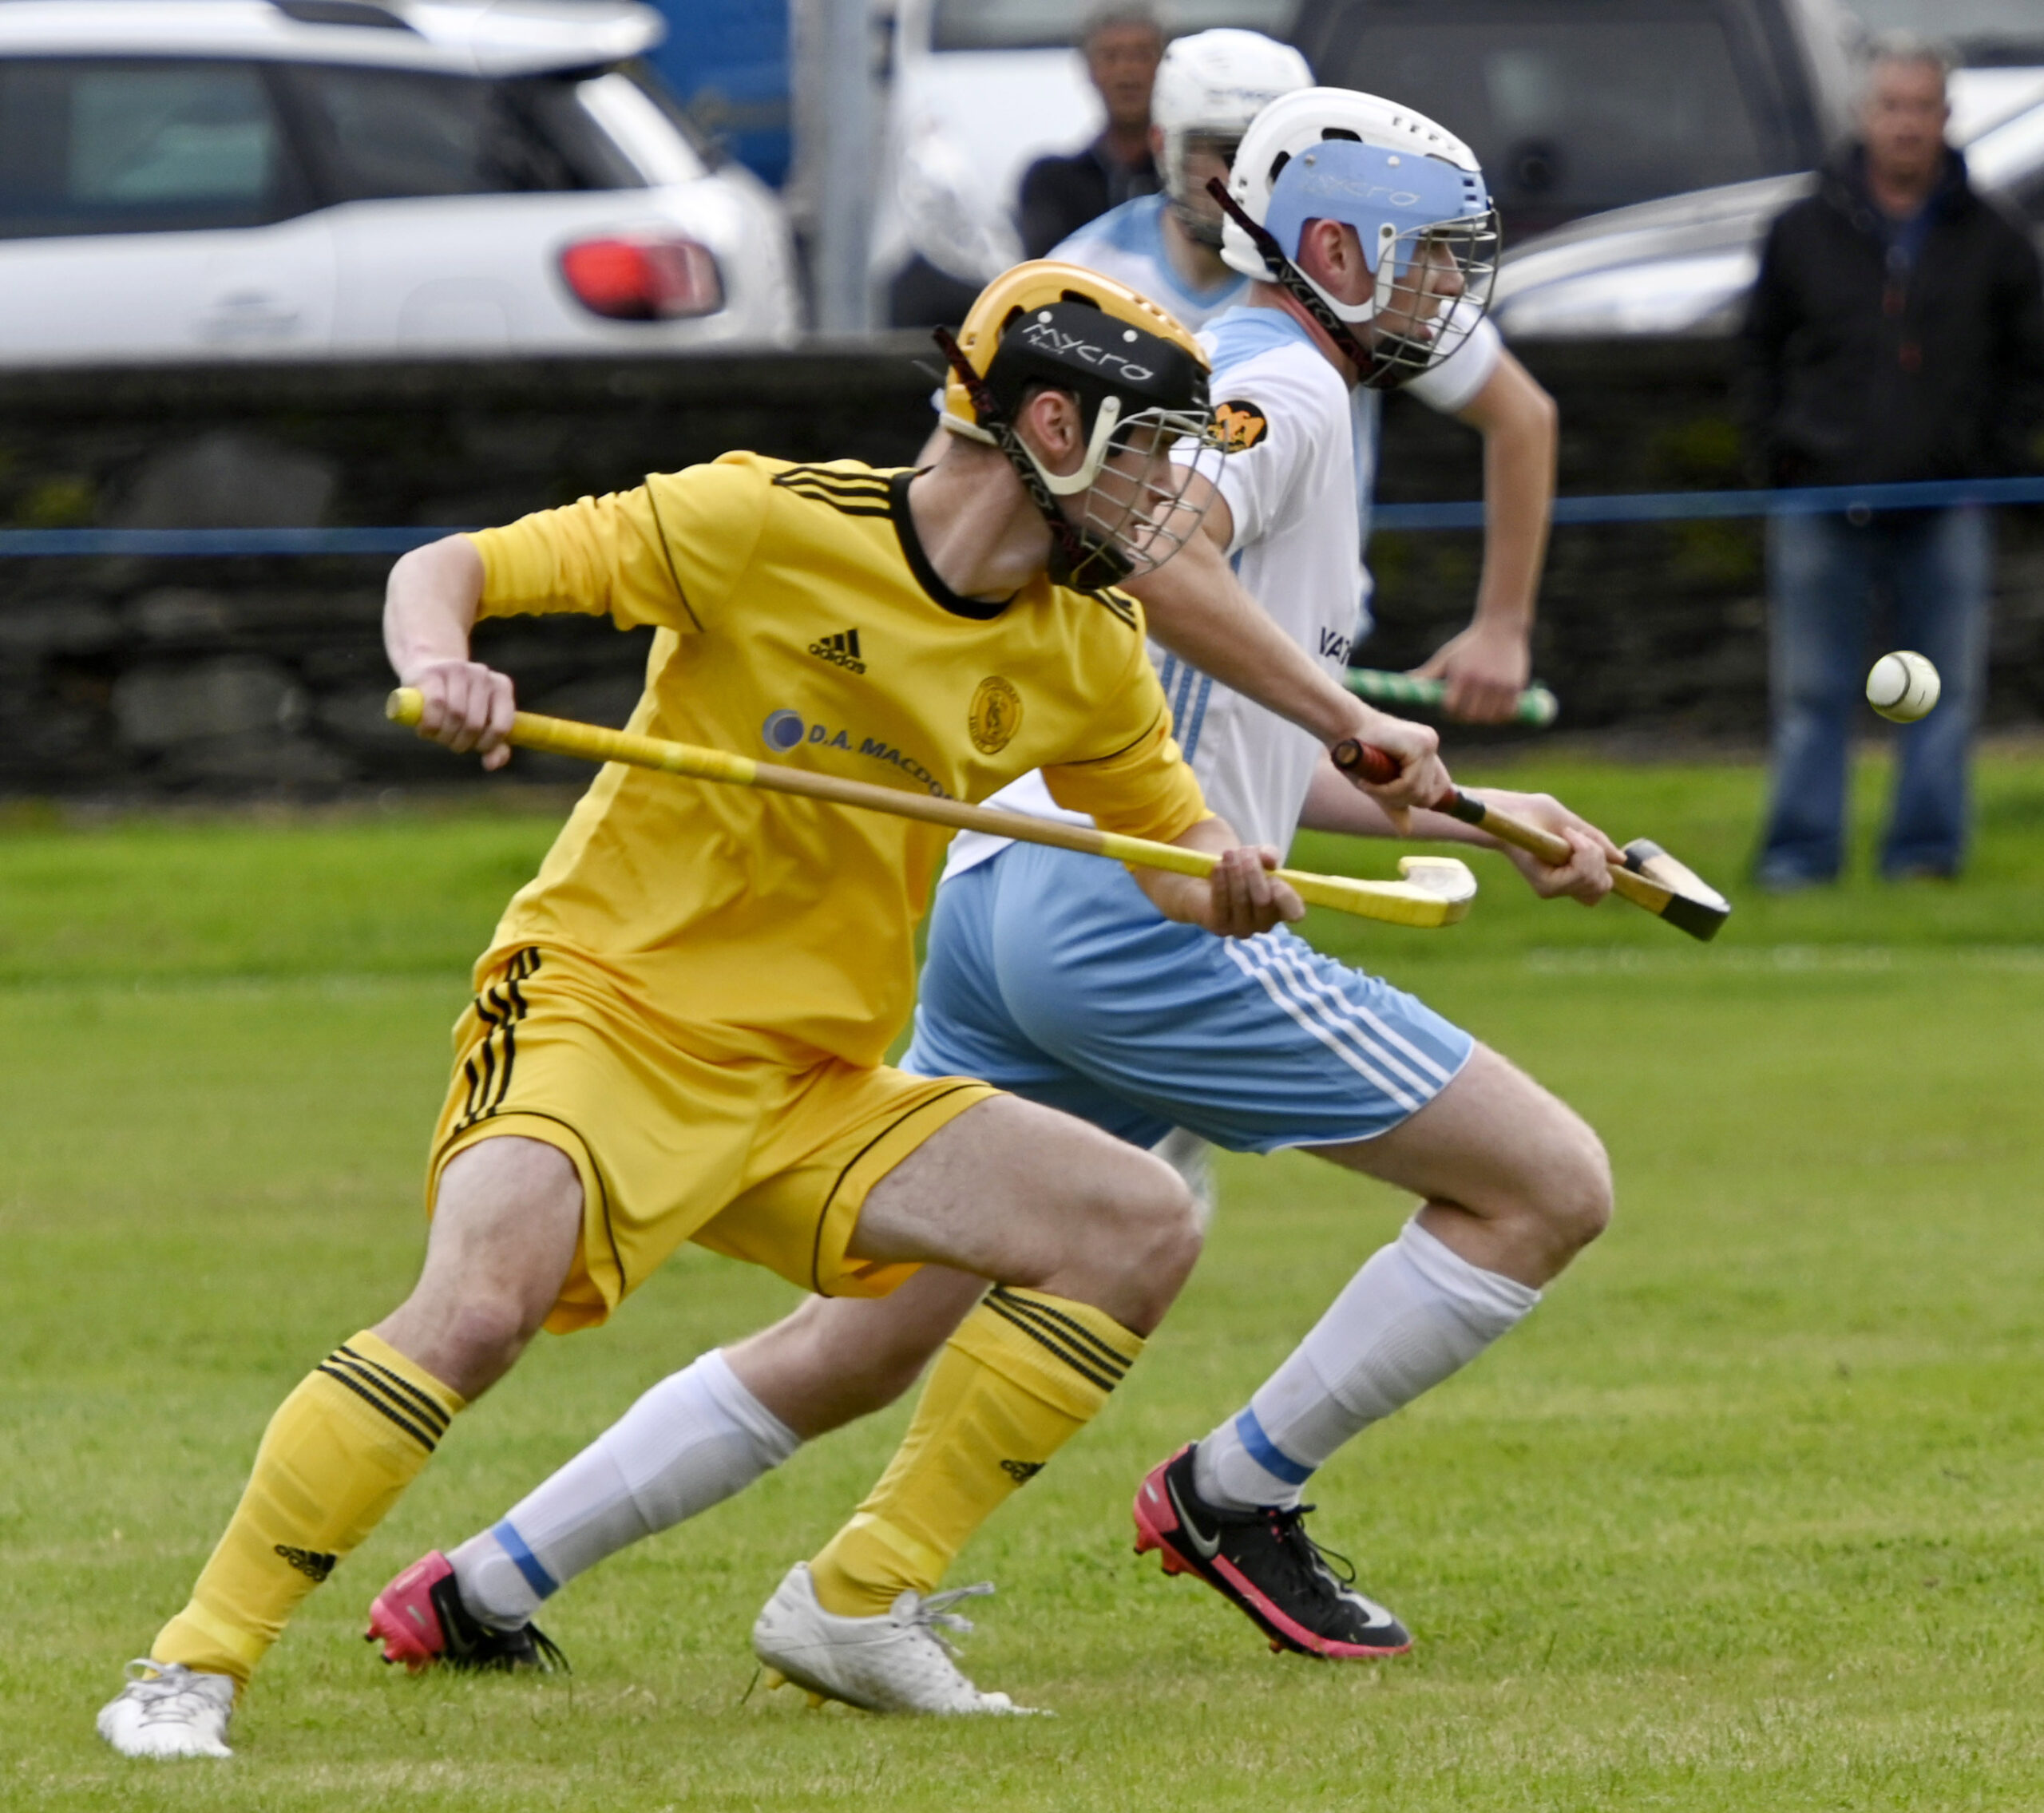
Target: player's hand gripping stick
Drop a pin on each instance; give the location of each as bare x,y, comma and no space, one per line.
1436,891
1648,877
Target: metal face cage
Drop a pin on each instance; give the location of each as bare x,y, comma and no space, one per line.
1151,493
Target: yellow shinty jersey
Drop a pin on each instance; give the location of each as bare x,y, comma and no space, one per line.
747,923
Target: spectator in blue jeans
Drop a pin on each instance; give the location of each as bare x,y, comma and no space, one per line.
1896,334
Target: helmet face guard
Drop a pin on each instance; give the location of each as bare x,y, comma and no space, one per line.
1432,285
1138,513
1416,198
1139,395
1204,229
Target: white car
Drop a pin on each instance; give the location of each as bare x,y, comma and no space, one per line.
187,179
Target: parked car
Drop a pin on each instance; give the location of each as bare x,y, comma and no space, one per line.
1683,265
1575,106
1987,33
308,178
1578,106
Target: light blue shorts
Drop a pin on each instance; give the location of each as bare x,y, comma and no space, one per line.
1051,975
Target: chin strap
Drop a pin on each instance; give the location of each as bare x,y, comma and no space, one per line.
1294,281
1072,554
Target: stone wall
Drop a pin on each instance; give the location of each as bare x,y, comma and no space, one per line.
147,675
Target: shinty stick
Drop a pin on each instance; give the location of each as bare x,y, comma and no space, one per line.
1649,876
1437,891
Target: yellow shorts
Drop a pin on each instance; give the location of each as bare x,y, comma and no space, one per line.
751,1158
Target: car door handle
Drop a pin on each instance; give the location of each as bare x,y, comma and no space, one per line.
248,315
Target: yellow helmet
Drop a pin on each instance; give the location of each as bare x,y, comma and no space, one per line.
1130,365
1025,295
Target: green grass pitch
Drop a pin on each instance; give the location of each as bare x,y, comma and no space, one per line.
1748,1516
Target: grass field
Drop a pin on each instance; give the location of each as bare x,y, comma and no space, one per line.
1748,1516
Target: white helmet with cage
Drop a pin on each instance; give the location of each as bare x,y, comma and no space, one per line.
1416,196
1210,86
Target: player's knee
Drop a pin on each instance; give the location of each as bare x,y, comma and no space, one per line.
1155,1233
486,1330
1576,1199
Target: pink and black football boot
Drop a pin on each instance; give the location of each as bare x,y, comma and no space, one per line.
420,1620
1263,1562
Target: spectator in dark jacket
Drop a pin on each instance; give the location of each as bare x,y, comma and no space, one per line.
1123,45
1896,333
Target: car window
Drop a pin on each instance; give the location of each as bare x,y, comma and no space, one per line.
1019,25
1571,117
380,134
124,147
1975,25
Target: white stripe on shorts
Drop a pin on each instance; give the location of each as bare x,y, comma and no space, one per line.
1310,979
1345,1042
1286,960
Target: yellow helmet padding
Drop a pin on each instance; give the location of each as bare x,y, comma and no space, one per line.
1040,284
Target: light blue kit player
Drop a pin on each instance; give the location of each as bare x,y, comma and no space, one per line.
1050,974
1055,978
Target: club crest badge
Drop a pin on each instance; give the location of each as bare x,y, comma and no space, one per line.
1239,424
996,715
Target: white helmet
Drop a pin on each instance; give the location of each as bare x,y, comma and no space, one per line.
1211,86
1403,183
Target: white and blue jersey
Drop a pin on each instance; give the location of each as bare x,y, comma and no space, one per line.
1050,973
1126,244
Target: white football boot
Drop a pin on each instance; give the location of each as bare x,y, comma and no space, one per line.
169,1711
897,1662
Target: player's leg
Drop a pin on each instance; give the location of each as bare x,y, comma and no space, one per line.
705,1433
1513,1184
1089,1238
356,1431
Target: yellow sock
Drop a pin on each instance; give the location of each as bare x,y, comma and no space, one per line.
1023,1374
338,1453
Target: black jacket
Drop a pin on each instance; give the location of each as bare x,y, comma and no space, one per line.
1858,374
1059,195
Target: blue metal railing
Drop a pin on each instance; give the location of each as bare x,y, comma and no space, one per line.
1657,506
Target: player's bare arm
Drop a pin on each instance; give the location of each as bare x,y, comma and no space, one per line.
1333,804
1487,665
1196,608
429,612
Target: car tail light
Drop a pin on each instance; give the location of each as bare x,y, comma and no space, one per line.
645,277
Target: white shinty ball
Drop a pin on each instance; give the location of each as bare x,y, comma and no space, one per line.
1902,687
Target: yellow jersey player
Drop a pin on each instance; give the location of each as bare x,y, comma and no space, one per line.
677,1029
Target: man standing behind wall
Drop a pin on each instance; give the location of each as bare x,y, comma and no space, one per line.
1122,43
1896,334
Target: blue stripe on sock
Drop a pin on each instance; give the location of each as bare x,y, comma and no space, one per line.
1266,1453
537,1577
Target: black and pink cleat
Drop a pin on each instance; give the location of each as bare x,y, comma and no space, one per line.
420,1621
1263,1562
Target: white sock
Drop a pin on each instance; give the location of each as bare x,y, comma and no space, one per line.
1415,1313
690,1442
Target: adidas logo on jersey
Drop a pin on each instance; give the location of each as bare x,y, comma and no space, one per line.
309,1562
843,648
1021,1471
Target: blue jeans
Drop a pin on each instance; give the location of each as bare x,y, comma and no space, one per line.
1931,570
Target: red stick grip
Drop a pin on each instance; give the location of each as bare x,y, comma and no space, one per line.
1364,759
